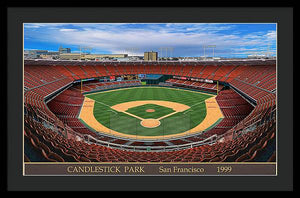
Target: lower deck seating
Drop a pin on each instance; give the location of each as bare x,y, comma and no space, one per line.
56,148
94,86
211,87
49,131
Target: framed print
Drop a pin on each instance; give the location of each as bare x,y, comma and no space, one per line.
152,110
157,98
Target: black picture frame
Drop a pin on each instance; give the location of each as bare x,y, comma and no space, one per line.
283,16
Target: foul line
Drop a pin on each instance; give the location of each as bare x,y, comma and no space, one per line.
112,110
102,103
198,103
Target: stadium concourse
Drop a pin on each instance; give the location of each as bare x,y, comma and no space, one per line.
246,95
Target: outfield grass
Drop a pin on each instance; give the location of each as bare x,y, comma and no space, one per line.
177,123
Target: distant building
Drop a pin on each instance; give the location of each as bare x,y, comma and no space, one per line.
99,56
257,56
62,50
26,54
77,56
34,54
70,56
135,58
50,55
40,54
150,56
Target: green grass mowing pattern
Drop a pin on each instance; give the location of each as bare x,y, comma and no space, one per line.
142,113
177,123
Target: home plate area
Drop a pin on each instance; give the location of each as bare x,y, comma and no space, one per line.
150,123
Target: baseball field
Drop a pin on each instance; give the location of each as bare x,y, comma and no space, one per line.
149,111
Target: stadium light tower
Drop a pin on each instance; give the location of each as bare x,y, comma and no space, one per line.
85,49
160,52
209,46
162,49
253,53
129,50
137,51
132,50
268,50
171,51
213,47
166,52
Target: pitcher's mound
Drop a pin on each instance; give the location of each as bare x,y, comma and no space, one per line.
150,123
150,110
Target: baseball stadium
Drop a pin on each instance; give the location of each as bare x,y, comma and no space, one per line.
150,111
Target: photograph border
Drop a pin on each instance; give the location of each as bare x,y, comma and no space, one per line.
153,9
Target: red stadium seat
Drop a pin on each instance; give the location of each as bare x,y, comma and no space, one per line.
256,82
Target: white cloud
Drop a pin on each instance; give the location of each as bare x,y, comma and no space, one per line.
67,30
185,38
271,35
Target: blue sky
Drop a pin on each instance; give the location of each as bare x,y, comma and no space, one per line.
186,39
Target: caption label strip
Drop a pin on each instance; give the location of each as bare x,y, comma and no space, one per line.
150,169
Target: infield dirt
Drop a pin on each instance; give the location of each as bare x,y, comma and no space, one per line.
213,114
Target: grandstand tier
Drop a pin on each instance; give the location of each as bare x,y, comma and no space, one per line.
53,97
